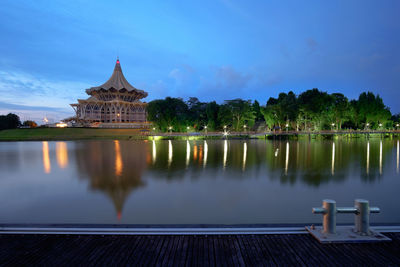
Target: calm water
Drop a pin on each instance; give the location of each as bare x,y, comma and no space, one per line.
177,182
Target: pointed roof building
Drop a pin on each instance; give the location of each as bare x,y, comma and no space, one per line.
114,104
117,82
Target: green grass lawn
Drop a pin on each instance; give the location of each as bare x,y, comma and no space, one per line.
69,134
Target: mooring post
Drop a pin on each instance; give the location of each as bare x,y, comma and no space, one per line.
329,215
362,216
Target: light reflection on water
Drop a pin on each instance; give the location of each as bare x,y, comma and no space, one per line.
62,154
46,158
227,181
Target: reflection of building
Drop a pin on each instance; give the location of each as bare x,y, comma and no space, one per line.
114,168
116,103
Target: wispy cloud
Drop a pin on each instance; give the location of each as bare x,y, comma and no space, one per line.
35,113
34,97
227,83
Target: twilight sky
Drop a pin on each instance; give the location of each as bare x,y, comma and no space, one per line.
51,51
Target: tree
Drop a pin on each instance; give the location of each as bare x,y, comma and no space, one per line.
340,109
316,107
212,110
170,112
197,113
9,121
238,113
257,111
30,124
371,110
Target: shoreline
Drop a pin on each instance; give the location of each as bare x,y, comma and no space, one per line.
70,134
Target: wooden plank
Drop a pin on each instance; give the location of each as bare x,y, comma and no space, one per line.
173,250
245,253
315,251
277,251
227,250
184,251
162,260
189,257
217,253
237,257
207,252
267,257
219,256
138,252
179,253
132,245
150,250
256,255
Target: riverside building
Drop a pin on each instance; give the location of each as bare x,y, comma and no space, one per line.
114,104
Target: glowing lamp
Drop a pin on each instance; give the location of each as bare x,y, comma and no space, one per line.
61,125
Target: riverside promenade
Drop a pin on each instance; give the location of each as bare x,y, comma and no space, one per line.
257,134
192,250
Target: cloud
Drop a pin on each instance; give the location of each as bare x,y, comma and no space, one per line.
35,97
228,77
26,89
225,83
182,75
35,113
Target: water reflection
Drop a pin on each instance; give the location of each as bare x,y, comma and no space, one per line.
114,168
368,158
118,159
225,153
380,158
46,157
169,153
62,154
287,158
205,154
333,159
244,155
134,175
397,163
154,154
187,153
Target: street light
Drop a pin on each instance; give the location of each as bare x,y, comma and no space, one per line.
333,125
287,126
170,128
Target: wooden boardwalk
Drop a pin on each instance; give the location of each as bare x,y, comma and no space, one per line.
212,250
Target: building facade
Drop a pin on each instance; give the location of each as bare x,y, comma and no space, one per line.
116,103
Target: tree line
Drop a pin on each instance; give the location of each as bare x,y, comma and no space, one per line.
311,110
12,121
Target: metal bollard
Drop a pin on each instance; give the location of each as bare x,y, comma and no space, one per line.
362,216
329,212
361,211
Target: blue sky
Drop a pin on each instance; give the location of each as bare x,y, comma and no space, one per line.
51,51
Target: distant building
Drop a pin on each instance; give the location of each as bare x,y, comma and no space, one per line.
114,104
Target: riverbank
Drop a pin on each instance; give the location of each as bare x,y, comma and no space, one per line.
65,134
